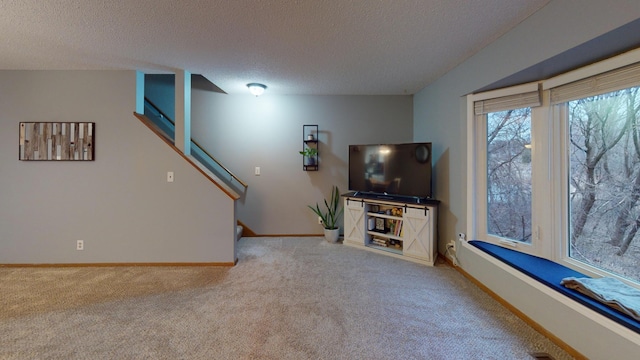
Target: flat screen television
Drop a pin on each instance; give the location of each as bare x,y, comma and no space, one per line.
402,170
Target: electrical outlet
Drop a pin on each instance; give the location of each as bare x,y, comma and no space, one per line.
80,245
319,220
452,245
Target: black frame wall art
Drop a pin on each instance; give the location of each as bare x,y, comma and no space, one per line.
57,141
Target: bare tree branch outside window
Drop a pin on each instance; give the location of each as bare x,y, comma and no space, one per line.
509,174
604,181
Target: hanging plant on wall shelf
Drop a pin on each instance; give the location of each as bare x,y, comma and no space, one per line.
310,155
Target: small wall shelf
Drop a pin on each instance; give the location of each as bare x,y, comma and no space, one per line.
310,143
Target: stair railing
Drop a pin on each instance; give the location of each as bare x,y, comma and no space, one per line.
167,125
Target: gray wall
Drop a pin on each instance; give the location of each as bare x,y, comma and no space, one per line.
120,204
440,113
161,90
244,132
440,109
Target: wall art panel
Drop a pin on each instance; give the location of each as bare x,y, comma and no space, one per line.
57,141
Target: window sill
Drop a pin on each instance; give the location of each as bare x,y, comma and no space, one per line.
550,274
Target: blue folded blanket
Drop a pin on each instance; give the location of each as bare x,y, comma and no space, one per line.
609,291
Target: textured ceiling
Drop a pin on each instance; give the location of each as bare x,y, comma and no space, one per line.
361,47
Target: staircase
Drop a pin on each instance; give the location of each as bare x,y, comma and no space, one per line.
165,127
220,175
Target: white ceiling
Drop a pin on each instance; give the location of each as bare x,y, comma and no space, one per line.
362,47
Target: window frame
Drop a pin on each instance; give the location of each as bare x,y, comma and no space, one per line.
478,189
550,167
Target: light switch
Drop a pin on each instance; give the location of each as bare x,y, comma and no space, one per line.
257,170
169,176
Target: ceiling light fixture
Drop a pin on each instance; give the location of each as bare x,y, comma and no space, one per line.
256,89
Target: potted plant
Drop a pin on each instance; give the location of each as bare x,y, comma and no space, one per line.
309,154
330,216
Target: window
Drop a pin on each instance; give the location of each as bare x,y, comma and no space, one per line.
505,165
560,178
604,181
509,174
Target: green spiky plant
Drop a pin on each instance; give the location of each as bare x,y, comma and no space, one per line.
330,217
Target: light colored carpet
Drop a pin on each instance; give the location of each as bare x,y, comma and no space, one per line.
288,298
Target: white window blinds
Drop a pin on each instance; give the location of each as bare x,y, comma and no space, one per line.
516,101
613,80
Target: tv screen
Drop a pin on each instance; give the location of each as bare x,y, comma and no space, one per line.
391,169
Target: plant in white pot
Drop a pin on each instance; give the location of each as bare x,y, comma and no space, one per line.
330,216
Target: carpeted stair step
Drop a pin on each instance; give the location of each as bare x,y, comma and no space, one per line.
238,232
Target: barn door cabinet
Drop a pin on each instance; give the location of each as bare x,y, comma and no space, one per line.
405,230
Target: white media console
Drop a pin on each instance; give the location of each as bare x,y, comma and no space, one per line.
393,227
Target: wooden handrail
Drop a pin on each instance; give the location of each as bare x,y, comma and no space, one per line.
159,110
201,168
222,166
198,145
